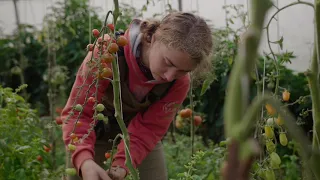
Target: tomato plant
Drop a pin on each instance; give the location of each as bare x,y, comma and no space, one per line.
25,153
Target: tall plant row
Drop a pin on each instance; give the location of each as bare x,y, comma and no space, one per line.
241,114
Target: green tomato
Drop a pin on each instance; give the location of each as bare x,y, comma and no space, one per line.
16,70
271,147
100,107
283,139
71,171
106,119
274,158
270,85
269,175
71,147
78,107
100,116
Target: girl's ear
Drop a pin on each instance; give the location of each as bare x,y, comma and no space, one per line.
153,38
149,37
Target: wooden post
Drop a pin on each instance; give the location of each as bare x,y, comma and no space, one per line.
180,5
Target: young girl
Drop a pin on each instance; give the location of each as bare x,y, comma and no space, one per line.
158,54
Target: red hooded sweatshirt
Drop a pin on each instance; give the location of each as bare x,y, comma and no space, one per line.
145,129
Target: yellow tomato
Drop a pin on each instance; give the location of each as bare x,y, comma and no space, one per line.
270,109
285,95
268,132
279,121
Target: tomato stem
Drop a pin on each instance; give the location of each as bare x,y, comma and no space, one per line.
313,76
238,87
118,102
192,116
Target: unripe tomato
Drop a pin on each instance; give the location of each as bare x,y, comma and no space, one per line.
269,175
270,85
285,95
270,146
268,132
274,158
78,107
71,171
100,107
106,119
178,122
71,147
283,139
100,116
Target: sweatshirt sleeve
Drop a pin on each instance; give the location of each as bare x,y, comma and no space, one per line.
148,128
83,86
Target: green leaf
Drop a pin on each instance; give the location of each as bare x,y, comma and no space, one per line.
1,152
21,87
285,57
21,148
210,176
169,7
180,175
206,85
280,42
20,174
19,98
144,8
230,61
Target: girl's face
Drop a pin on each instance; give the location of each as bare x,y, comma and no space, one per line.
167,64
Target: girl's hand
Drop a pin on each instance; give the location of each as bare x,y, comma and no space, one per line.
92,171
117,173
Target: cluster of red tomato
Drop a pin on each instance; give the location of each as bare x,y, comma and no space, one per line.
108,46
46,149
186,114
